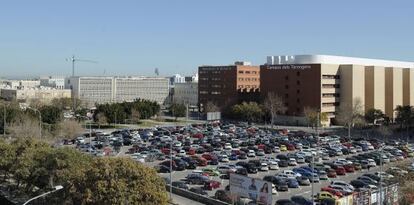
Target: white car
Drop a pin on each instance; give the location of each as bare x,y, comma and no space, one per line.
291,174
181,153
273,165
224,158
251,153
165,138
292,162
274,191
384,175
371,163
264,167
276,149
177,144
342,184
228,146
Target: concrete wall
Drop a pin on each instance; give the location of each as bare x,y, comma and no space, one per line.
408,91
195,197
393,90
352,84
375,88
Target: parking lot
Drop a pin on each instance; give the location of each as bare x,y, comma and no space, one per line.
202,151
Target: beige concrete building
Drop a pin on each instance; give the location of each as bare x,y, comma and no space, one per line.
44,95
326,82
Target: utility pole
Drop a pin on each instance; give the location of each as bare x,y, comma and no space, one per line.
171,170
4,121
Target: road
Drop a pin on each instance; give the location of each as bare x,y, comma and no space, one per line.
183,201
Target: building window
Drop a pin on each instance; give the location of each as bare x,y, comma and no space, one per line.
298,73
254,72
240,79
287,86
297,91
298,82
240,71
298,100
286,77
286,95
247,72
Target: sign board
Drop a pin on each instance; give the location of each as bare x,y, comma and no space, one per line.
213,116
289,67
255,189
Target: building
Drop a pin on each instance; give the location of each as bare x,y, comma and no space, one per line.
222,85
22,84
93,90
43,95
325,82
186,93
53,82
177,78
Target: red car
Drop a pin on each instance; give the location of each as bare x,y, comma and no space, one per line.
207,156
198,135
210,185
340,170
349,168
191,151
331,173
332,191
290,147
165,151
201,161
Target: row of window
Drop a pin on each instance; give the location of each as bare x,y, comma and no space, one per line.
249,79
330,104
329,95
331,77
212,92
248,72
330,86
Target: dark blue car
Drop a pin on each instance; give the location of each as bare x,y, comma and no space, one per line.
292,183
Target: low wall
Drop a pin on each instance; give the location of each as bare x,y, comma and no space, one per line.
195,197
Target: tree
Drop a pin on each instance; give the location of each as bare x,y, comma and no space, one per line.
63,103
51,114
311,115
101,119
374,115
274,105
211,107
351,114
120,181
26,126
405,115
178,110
249,112
135,115
69,129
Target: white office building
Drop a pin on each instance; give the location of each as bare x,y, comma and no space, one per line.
186,93
93,90
53,82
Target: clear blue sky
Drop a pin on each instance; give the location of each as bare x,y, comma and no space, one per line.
134,37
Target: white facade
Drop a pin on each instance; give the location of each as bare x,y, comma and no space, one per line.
22,84
54,82
340,60
45,95
186,93
118,89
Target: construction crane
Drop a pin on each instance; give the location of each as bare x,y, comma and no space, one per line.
73,60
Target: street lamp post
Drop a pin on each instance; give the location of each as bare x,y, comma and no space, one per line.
40,120
57,188
171,170
4,121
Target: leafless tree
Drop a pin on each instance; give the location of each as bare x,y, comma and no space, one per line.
25,127
69,129
274,105
211,107
135,115
101,119
351,114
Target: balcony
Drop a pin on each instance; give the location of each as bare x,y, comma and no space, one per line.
329,99
328,109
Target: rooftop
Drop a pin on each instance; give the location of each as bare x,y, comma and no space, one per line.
329,59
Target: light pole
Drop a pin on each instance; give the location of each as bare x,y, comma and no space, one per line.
4,120
57,188
171,170
40,120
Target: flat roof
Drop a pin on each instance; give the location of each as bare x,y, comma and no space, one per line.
330,59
